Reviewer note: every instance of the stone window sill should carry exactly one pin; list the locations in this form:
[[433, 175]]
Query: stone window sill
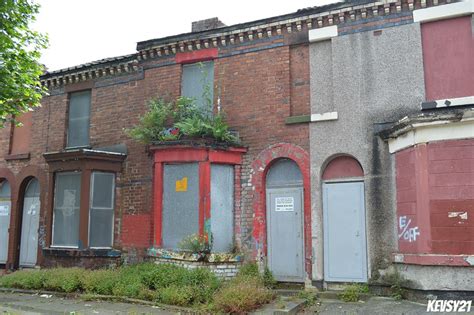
[[433, 259], [72, 252], [21, 156]]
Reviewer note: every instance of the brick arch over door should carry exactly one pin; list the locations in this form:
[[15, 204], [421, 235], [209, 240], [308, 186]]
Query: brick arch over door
[[342, 166], [260, 167]]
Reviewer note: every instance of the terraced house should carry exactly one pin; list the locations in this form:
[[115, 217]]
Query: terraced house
[[356, 152]]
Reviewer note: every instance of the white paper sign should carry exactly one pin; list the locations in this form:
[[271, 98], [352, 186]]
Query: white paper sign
[[4, 210], [284, 204]]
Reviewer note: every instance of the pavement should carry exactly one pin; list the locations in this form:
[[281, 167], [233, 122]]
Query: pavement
[[34, 304], [374, 305]]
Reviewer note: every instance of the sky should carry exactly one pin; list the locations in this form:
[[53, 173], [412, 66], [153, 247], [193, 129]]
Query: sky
[[81, 31]]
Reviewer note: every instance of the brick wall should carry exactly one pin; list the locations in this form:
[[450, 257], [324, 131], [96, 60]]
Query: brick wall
[[259, 84], [256, 97]]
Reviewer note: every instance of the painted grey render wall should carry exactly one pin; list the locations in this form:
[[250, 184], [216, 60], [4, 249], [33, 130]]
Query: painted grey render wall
[[368, 79]]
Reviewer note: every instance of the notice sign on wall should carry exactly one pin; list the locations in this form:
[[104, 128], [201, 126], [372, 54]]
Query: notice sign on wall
[[4, 210], [284, 204], [182, 184]]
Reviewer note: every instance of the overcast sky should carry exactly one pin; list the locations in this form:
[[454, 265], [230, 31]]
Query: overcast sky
[[85, 30]]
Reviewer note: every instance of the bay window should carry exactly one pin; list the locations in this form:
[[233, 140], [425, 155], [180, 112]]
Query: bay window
[[83, 201], [194, 194]]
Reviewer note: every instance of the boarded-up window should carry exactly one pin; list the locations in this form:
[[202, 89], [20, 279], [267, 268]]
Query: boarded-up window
[[67, 197], [198, 83], [101, 214], [180, 203], [21, 135], [78, 123], [448, 58], [222, 206], [284, 173]]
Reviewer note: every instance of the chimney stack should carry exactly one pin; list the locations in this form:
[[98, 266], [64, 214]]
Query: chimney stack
[[207, 24]]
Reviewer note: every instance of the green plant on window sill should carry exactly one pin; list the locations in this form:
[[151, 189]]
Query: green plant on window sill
[[181, 119], [196, 244]]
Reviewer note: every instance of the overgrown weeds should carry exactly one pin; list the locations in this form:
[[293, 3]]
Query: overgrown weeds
[[310, 297], [251, 270], [397, 284], [167, 284], [353, 292], [241, 295]]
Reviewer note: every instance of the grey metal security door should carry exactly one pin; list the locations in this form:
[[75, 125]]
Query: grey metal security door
[[285, 238], [5, 206], [29, 225], [285, 233], [345, 253]]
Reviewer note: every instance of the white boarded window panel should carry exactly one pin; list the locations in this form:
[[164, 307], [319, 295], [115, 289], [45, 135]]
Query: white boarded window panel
[[198, 77], [222, 207], [67, 197], [101, 212], [29, 225], [180, 203], [78, 123], [283, 173]]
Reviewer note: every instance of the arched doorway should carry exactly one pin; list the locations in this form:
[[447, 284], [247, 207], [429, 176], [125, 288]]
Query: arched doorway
[[285, 236], [30, 224], [345, 244], [5, 209]]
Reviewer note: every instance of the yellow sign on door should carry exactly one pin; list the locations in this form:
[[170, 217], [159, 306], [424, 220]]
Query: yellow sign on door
[[182, 184]]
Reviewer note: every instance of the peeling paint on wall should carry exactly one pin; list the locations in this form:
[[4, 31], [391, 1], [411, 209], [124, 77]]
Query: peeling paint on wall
[[42, 236], [462, 215], [470, 260]]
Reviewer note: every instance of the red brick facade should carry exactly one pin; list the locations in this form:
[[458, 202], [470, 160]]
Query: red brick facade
[[258, 85]]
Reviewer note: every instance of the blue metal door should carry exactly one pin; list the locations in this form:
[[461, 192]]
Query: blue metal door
[[345, 253]]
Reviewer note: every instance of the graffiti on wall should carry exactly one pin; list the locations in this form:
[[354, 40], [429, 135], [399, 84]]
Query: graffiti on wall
[[408, 232]]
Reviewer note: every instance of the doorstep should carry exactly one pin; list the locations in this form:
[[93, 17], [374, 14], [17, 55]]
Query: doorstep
[[282, 305]]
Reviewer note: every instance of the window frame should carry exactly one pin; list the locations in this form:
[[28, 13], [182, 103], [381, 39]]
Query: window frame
[[233, 194], [209, 76], [54, 212], [68, 120], [85, 161], [205, 157], [91, 200]]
